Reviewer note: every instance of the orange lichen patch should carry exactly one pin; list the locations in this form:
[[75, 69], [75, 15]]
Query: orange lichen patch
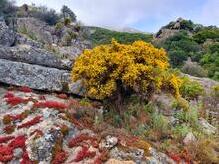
[[83, 154], [6, 139], [141, 144], [62, 96], [64, 129], [25, 89], [7, 119], [30, 123], [9, 129]]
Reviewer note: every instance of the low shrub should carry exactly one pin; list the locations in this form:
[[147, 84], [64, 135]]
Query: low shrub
[[191, 89]]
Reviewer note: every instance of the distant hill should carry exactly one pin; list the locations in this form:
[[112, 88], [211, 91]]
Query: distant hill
[[184, 39], [98, 35]]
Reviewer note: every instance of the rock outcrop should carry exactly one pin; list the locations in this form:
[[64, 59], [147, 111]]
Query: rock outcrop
[[31, 55], [39, 29], [37, 77], [7, 36]]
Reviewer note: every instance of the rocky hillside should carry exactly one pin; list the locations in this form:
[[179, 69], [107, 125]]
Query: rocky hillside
[[46, 118]]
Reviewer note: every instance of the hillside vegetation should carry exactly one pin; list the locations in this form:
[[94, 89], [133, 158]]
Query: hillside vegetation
[[77, 94], [104, 36]]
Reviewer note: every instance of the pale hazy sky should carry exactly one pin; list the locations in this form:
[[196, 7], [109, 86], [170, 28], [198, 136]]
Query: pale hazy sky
[[145, 15]]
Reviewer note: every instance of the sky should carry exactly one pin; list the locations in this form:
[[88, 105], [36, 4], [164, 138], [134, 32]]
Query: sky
[[144, 15]]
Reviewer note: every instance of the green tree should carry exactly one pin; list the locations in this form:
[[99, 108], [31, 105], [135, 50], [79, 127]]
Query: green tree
[[68, 13]]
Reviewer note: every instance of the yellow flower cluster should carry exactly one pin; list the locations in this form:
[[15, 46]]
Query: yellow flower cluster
[[139, 66]]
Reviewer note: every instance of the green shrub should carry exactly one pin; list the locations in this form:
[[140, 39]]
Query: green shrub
[[180, 131], [189, 116], [159, 122], [191, 89]]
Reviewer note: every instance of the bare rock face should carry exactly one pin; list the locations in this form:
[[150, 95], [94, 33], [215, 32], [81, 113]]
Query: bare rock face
[[32, 55], [37, 77], [7, 37]]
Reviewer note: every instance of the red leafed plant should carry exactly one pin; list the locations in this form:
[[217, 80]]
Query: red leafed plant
[[174, 156], [6, 139], [6, 153], [62, 96], [18, 142], [25, 89], [60, 157], [30, 123], [102, 157], [50, 104], [26, 159], [16, 100], [84, 153], [80, 138], [9, 95]]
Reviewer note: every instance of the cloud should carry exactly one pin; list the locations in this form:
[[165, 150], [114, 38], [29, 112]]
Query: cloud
[[147, 15], [210, 13]]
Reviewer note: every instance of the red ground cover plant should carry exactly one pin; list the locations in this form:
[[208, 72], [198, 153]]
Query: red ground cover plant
[[174, 156], [6, 139], [30, 123], [60, 157], [84, 153], [80, 138], [26, 159], [6, 153], [25, 89], [62, 96], [102, 157], [9, 95], [18, 142], [50, 104], [16, 100]]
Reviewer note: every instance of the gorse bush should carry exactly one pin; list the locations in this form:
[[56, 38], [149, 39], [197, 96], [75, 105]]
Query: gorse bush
[[114, 71], [191, 89]]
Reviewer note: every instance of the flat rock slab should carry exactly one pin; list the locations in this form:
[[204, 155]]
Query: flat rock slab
[[37, 77], [32, 55]]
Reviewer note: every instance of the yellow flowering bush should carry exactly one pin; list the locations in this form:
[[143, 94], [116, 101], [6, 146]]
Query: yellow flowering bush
[[115, 69]]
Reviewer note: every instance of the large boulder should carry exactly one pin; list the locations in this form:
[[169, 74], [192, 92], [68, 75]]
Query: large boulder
[[31, 55], [37, 77], [7, 37]]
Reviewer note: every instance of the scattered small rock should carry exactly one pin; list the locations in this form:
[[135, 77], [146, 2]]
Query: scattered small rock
[[206, 127], [190, 138]]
